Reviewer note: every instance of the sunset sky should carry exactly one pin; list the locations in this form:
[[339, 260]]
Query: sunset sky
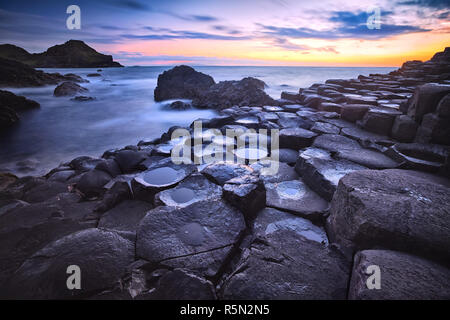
[[236, 32]]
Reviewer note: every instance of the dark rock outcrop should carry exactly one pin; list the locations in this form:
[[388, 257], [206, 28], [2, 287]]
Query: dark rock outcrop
[[16, 74], [68, 89], [395, 209], [71, 54], [181, 82], [402, 277], [10, 107]]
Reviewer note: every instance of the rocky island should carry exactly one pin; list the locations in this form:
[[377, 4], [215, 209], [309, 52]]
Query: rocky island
[[363, 181], [71, 54]]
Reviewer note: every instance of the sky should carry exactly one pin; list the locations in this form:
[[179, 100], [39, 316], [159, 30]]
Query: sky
[[237, 32]]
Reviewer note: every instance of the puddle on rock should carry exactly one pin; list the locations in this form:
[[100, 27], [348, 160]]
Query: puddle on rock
[[293, 190], [161, 176], [301, 226], [182, 195]]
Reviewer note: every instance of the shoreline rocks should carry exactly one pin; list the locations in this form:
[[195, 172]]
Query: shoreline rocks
[[344, 198]]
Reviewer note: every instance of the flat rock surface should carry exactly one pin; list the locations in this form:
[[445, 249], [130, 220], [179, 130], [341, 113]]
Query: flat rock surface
[[286, 265], [402, 277], [168, 232]]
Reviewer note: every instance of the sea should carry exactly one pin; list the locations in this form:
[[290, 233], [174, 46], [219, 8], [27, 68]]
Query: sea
[[124, 111]]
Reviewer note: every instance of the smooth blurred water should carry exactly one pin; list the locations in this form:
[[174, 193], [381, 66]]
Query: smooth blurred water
[[124, 112]]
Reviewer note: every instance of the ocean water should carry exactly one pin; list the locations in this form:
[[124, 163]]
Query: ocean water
[[124, 112]]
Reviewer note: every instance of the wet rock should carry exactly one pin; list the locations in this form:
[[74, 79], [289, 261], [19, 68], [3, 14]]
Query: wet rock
[[354, 112], [443, 108], [395, 209], [102, 256], [296, 197], [25, 229], [323, 127], [425, 99], [178, 105], [433, 129], [284, 173], [330, 107], [275, 268], [84, 163], [179, 284], [44, 191], [181, 82], [93, 75], [125, 216], [163, 176], [292, 107], [369, 158], [129, 160], [417, 156], [404, 129], [61, 176], [365, 137], [6, 179], [403, 277], [322, 173], [193, 189], [199, 236], [287, 155], [118, 192], [379, 120], [293, 96], [296, 138], [82, 98], [225, 94], [92, 183], [247, 193], [271, 220], [109, 166], [221, 172], [335, 143], [68, 89]]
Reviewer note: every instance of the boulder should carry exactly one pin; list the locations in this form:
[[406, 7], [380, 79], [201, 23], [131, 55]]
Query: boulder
[[292, 96], [379, 120], [247, 193], [181, 82], [221, 172], [296, 138], [443, 108], [102, 256], [404, 128], [395, 209], [192, 189], [403, 277], [198, 237], [296, 197], [426, 99], [125, 216], [322, 173], [335, 143], [68, 88], [82, 99], [129, 160], [354, 112], [92, 183], [274, 268], [178, 105], [434, 129], [10, 107], [225, 94]]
